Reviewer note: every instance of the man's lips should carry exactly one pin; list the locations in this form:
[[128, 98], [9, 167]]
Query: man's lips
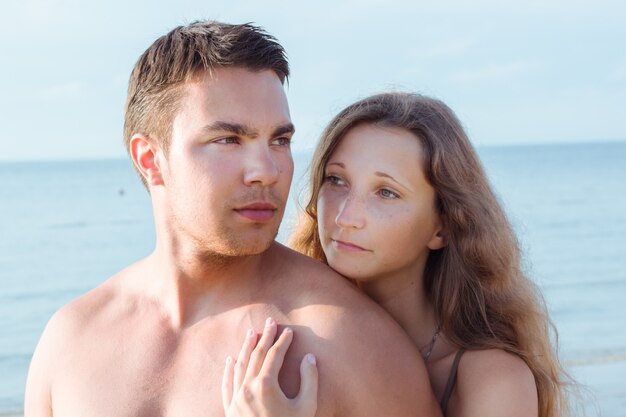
[[347, 246], [257, 212]]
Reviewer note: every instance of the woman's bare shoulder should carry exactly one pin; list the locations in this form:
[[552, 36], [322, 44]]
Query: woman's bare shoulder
[[494, 382]]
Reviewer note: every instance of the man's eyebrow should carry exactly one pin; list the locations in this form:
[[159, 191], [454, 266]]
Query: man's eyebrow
[[282, 130], [236, 128], [243, 130]]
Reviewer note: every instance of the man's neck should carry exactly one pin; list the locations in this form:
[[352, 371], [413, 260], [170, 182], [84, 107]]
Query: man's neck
[[190, 285]]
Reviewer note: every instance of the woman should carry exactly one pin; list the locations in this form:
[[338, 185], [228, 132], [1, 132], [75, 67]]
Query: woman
[[401, 206]]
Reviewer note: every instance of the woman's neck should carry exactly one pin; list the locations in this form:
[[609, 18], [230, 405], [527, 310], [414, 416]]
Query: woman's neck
[[404, 298]]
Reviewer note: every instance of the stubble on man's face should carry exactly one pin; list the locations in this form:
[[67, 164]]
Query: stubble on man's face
[[232, 252], [228, 242], [207, 173], [217, 240]]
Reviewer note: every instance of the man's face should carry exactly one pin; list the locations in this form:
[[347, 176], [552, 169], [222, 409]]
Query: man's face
[[229, 167]]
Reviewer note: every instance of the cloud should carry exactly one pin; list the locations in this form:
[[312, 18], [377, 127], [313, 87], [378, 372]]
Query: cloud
[[496, 72]]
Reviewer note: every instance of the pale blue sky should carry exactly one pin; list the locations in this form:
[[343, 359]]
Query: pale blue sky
[[515, 72]]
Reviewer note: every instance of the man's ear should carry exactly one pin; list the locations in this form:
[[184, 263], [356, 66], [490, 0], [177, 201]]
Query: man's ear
[[438, 240], [146, 157]]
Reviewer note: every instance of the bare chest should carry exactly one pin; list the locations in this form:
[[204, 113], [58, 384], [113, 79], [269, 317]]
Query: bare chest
[[142, 378], [152, 372]]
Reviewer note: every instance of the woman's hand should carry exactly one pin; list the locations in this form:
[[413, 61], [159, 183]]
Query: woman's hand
[[250, 385]]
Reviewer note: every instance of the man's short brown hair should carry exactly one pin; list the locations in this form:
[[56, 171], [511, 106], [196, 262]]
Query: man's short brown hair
[[154, 89]]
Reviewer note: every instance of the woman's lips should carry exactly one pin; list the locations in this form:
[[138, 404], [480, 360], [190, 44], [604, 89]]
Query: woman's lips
[[347, 246]]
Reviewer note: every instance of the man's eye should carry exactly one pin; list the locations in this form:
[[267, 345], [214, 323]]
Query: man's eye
[[282, 141], [228, 140]]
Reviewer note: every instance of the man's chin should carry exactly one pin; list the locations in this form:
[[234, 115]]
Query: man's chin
[[260, 246], [252, 245]]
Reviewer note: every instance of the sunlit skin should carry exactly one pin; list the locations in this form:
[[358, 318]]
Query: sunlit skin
[[377, 212], [235, 152], [378, 223], [153, 339]]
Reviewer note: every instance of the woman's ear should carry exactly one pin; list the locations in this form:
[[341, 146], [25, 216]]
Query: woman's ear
[[145, 155], [438, 240]]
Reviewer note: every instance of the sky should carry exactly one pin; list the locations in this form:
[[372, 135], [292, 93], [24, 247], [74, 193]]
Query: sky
[[514, 72]]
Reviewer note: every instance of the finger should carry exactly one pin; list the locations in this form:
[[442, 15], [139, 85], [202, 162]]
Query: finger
[[227, 384], [258, 354], [276, 354], [241, 366], [307, 397]]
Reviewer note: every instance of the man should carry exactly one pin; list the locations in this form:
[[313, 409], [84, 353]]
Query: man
[[208, 129]]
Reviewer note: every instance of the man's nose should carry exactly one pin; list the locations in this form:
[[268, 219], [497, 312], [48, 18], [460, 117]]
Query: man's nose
[[261, 166], [351, 212]]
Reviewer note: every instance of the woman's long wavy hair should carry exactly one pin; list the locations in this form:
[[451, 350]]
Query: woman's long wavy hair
[[481, 297]]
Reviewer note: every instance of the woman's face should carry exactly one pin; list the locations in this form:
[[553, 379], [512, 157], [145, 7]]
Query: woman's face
[[377, 215]]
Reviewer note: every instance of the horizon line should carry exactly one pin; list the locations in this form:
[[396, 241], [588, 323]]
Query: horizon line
[[87, 158]]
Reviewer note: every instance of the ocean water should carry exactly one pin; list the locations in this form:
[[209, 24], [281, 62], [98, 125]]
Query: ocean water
[[67, 226]]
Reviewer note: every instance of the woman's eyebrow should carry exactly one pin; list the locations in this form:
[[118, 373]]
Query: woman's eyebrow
[[385, 175]]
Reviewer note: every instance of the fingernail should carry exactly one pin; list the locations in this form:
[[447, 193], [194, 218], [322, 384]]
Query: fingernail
[[228, 360], [269, 321], [311, 358], [287, 330], [250, 333]]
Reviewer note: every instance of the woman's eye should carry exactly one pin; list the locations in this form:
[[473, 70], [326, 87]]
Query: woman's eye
[[333, 179], [385, 193]]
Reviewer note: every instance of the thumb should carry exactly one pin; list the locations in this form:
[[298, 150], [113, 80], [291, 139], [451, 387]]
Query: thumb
[[307, 397]]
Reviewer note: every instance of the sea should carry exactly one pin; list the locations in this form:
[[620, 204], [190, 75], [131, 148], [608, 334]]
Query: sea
[[66, 226]]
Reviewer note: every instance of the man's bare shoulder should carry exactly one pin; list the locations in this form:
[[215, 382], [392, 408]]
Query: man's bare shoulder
[[319, 295], [361, 349], [291, 260], [57, 346], [311, 276], [91, 309]]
